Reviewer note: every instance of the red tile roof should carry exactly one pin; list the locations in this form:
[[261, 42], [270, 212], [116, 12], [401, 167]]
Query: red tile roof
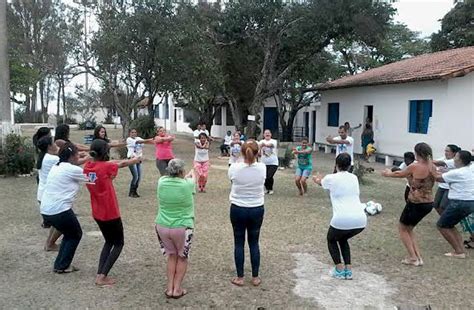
[[434, 66]]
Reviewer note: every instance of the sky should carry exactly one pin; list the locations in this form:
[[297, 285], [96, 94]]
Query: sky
[[422, 15]]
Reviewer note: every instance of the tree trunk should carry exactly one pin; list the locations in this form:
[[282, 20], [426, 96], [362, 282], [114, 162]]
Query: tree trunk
[[64, 99], [58, 101], [287, 127], [34, 97], [41, 90], [236, 112], [27, 107], [5, 104]]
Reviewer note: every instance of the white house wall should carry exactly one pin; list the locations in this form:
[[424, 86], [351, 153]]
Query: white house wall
[[452, 120]]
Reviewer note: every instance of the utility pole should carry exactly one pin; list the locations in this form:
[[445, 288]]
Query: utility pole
[[6, 111]]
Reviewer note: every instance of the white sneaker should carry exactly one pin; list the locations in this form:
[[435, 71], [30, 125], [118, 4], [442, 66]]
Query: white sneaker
[[270, 192]]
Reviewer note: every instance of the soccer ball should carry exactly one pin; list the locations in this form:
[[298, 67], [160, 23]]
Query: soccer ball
[[372, 208]]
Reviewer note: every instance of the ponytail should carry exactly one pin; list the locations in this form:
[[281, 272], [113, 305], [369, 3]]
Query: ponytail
[[42, 145], [99, 150], [250, 151], [66, 152]]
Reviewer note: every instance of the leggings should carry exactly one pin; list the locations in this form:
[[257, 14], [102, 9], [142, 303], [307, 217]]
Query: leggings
[[271, 169], [246, 220], [338, 244], [113, 234], [162, 164], [65, 222]]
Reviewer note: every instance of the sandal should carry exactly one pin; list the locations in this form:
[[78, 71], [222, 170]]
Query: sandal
[[168, 296], [67, 270], [407, 261], [183, 292], [469, 245], [237, 281], [455, 255]]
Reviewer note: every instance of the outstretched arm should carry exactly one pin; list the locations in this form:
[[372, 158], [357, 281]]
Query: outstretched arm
[[331, 140], [398, 174], [126, 162]]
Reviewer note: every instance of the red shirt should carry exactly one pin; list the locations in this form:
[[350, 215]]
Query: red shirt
[[103, 199]]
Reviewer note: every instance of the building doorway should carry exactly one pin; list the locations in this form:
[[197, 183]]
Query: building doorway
[[313, 129], [368, 115]]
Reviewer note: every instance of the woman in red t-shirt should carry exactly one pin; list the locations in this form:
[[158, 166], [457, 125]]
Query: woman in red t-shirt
[[164, 149], [105, 211]]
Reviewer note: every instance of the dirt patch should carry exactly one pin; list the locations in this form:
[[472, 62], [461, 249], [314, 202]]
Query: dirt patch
[[366, 290]]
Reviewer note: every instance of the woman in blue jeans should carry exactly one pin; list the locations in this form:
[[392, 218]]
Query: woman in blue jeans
[[246, 211], [135, 149]]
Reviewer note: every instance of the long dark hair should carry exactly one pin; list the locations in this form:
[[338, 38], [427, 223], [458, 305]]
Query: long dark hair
[[62, 133], [40, 133], [43, 144], [97, 136], [100, 150], [66, 152]]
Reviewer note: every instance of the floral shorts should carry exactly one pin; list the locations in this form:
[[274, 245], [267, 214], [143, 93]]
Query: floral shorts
[[174, 241]]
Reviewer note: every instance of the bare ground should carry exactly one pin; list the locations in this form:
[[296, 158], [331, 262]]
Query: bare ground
[[293, 246]]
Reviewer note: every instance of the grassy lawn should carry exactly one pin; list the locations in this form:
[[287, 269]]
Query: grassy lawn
[[292, 225]]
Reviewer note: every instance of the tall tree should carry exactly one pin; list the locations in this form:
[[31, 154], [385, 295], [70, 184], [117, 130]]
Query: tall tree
[[457, 28]]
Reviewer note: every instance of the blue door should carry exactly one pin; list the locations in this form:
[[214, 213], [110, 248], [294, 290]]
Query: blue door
[[270, 120]]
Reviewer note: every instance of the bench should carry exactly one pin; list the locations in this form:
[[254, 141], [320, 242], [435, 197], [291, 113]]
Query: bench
[[88, 139], [388, 159], [326, 147]]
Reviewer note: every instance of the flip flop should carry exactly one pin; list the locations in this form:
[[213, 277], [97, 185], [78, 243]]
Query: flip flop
[[183, 292], [256, 281], [168, 296], [407, 261], [236, 281], [67, 270], [468, 245], [451, 254]]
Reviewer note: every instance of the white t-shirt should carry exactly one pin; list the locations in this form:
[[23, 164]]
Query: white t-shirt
[[134, 149], [449, 166], [461, 183], [201, 154], [48, 162], [235, 154], [348, 212], [227, 140], [62, 186], [247, 184], [345, 148], [269, 154], [196, 133]]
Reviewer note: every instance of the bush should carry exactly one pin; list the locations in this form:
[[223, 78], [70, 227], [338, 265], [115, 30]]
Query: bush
[[90, 124], [18, 156], [109, 119], [361, 171], [145, 125]]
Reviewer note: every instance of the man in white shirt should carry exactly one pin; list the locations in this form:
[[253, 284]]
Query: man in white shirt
[[344, 144], [460, 201], [197, 132]]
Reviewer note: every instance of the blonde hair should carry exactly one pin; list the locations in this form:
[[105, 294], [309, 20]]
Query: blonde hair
[[250, 151]]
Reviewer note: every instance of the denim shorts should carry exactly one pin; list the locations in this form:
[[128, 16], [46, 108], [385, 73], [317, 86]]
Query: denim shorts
[[303, 172], [455, 211]]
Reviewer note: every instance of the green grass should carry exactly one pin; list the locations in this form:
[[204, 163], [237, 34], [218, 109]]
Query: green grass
[[292, 224]]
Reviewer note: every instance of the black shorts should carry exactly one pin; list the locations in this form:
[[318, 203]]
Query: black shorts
[[413, 213], [407, 192]]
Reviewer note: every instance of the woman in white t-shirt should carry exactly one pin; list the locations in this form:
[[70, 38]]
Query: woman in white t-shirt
[[460, 201], [348, 217], [246, 209], [269, 156], [235, 154], [63, 184], [134, 150], [444, 164], [201, 160], [47, 158]]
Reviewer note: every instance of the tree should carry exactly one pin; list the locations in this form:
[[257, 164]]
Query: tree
[[304, 29], [457, 28]]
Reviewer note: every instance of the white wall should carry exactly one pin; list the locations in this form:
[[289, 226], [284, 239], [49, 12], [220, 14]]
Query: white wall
[[452, 120]]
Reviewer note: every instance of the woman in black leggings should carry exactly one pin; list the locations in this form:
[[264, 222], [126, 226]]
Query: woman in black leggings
[[348, 217]]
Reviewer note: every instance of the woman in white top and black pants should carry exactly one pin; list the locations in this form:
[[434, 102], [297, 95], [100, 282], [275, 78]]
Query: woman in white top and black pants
[[246, 211], [348, 217], [268, 153], [62, 186]]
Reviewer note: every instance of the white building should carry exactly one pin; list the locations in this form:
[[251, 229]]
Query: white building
[[429, 98]]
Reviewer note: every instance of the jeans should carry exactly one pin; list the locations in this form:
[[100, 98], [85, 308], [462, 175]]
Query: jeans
[[338, 239], [455, 212], [162, 165], [225, 149], [136, 171], [65, 222], [250, 220]]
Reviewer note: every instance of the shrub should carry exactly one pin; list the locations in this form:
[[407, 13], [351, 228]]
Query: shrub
[[69, 120], [361, 171], [18, 155], [109, 119], [87, 125], [145, 125]]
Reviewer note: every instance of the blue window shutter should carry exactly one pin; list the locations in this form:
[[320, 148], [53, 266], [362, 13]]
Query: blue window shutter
[[412, 123], [333, 114], [427, 108]]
